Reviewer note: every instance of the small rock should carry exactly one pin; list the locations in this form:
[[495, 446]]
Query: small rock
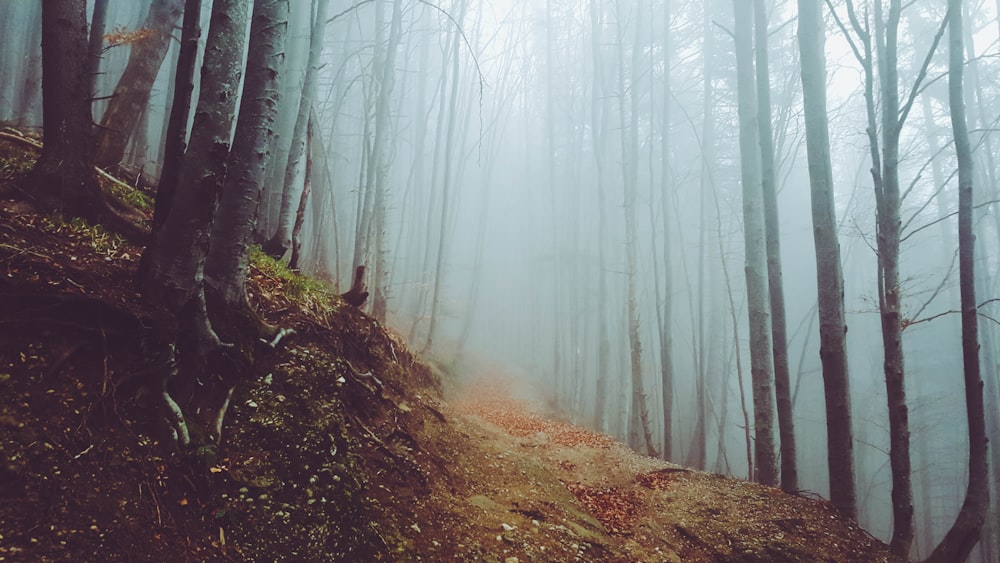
[[508, 527], [415, 527]]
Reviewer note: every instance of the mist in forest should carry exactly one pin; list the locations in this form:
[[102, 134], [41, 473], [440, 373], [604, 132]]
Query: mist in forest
[[571, 191]]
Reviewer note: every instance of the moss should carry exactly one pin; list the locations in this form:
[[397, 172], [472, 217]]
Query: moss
[[302, 290]]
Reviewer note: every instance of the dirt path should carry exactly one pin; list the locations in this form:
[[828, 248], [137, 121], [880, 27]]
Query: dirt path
[[527, 488]]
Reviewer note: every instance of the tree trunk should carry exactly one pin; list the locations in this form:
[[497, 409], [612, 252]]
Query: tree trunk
[[761, 366], [307, 182], [380, 157], [889, 291], [132, 93], [63, 180], [630, 165], [665, 309], [173, 282], [829, 276], [180, 111], [776, 292], [228, 260], [278, 244], [965, 531], [95, 43]]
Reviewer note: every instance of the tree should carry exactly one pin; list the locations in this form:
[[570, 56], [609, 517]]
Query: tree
[[829, 276], [131, 95], [629, 117], [761, 364], [882, 46], [173, 283], [95, 42], [180, 112], [964, 533], [63, 179], [776, 292], [227, 262], [278, 244]]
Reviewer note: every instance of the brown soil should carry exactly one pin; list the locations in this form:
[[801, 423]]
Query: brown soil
[[341, 447]]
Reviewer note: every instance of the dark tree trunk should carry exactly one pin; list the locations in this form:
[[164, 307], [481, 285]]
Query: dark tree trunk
[[180, 111], [95, 45], [131, 95], [173, 281], [63, 180], [964, 533], [829, 276], [228, 260]]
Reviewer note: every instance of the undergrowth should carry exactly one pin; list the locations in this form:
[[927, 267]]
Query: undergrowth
[[299, 289]]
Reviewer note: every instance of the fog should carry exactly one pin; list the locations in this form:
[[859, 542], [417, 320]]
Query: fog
[[505, 237]]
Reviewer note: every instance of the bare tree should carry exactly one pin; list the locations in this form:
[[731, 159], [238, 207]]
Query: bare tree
[[761, 364], [173, 283], [131, 95], [964, 533], [63, 179], [776, 291], [291, 192], [829, 276]]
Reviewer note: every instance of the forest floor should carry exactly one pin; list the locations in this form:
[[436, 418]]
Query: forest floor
[[343, 446]]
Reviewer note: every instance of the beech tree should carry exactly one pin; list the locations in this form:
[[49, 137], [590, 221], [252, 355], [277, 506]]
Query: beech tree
[[875, 42], [761, 363], [964, 533], [173, 283], [772, 235], [131, 95], [829, 275], [64, 179]]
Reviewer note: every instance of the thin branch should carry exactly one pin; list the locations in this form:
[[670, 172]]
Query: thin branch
[[923, 71], [944, 218]]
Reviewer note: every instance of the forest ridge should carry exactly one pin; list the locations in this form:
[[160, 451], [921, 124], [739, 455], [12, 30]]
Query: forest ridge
[[571, 187]]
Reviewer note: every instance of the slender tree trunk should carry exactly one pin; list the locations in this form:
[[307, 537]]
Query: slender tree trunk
[[964, 533], [829, 276], [180, 112], [630, 154], [291, 192], [132, 93], [307, 184], [888, 240], [95, 44], [665, 309], [776, 292], [380, 157], [449, 155], [761, 365]]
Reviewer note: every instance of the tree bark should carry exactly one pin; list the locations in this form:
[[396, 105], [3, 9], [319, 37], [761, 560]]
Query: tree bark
[[829, 276], [95, 43], [776, 292], [180, 111], [964, 533], [132, 92], [63, 179], [278, 244], [173, 283], [761, 364], [228, 260]]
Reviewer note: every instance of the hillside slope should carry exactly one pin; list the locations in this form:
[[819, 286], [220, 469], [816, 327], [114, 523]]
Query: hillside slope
[[344, 447]]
